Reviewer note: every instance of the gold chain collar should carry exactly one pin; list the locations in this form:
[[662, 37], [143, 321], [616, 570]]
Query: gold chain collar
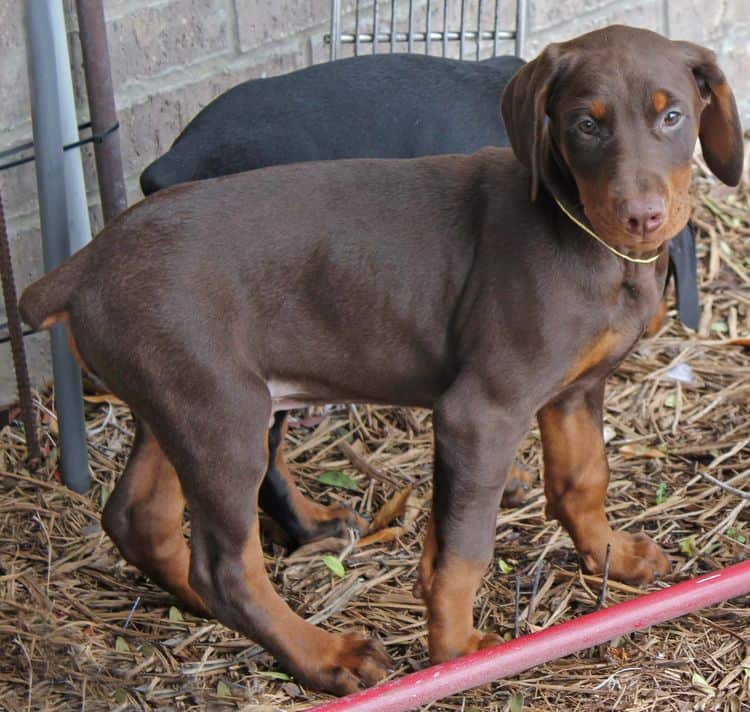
[[637, 260]]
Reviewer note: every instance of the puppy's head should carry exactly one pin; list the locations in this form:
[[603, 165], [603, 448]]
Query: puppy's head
[[608, 122]]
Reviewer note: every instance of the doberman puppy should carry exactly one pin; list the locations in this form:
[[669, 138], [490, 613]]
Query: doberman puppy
[[490, 288], [380, 106]]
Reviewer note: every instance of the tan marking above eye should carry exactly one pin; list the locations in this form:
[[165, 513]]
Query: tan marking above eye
[[660, 100], [598, 109]]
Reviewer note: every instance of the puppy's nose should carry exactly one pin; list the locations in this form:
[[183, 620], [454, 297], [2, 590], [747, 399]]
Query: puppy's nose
[[643, 215]]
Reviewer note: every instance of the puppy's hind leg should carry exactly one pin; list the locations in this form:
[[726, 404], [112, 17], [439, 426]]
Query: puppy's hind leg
[[221, 461], [143, 516]]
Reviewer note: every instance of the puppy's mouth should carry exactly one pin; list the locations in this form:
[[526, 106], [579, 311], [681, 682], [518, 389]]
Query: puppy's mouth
[[610, 227]]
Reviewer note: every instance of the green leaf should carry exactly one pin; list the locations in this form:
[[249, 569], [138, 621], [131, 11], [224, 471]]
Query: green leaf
[[174, 615], [701, 683], [121, 696], [334, 565], [720, 327], [687, 545], [661, 492], [121, 645], [104, 493], [747, 671], [732, 533], [671, 400], [147, 650], [504, 566], [222, 689], [335, 478], [275, 674], [515, 703]]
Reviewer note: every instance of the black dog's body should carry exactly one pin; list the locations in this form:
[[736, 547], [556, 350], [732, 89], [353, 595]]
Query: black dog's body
[[381, 106]]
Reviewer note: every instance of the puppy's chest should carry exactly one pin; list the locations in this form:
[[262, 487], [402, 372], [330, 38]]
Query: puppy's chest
[[624, 316]]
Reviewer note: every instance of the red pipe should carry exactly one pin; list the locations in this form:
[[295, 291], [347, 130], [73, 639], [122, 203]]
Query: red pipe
[[508, 659]]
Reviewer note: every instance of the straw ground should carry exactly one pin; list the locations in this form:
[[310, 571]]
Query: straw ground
[[80, 629]]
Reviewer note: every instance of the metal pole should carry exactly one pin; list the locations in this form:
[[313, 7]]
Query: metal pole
[[15, 332], [508, 659], [335, 28], [62, 207], [93, 32], [520, 28]]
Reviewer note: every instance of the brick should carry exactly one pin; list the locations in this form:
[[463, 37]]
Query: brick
[[149, 127], [548, 13], [15, 106], [261, 22], [151, 40], [39, 361], [645, 14]]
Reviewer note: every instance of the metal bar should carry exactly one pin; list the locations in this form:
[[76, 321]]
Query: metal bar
[[428, 28], [521, 16], [411, 26], [62, 207], [393, 25], [463, 29], [497, 28], [335, 29], [479, 26], [356, 29], [375, 24], [93, 34], [515, 656], [401, 37], [15, 331], [445, 27]]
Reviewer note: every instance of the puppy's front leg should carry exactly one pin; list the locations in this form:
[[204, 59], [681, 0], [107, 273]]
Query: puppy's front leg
[[576, 475], [475, 441]]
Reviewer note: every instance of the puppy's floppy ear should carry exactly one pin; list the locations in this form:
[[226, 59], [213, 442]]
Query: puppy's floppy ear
[[524, 110], [720, 132]]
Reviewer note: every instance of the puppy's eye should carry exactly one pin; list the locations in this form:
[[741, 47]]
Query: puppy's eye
[[672, 117], [587, 126]]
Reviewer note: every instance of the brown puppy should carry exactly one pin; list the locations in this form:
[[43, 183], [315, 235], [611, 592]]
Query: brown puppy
[[461, 295]]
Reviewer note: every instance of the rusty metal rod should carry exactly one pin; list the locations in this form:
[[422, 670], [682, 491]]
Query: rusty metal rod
[[98, 72], [15, 331]]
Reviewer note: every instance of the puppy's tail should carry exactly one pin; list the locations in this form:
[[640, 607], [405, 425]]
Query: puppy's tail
[[46, 301]]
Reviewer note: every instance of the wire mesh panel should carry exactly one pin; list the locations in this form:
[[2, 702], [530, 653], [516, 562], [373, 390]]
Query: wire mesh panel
[[476, 27]]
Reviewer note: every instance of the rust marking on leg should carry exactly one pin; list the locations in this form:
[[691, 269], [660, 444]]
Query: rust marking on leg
[[450, 605]]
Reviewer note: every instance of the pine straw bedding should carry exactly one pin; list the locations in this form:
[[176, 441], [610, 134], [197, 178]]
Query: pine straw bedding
[[80, 629]]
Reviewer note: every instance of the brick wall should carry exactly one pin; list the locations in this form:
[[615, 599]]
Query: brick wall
[[171, 57]]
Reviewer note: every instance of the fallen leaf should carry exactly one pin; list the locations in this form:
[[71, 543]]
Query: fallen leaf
[[504, 566], [382, 536], [121, 645], [105, 398], [222, 689], [335, 478], [392, 509], [697, 680], [641, 451], [687, 546], [275, 674], [335, 565], [661, 492], [515, 703], [174, 615]]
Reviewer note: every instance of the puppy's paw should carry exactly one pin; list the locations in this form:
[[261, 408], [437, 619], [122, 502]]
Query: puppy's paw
[[351, 664], [635, 559], [520, 480], [442, 648]]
